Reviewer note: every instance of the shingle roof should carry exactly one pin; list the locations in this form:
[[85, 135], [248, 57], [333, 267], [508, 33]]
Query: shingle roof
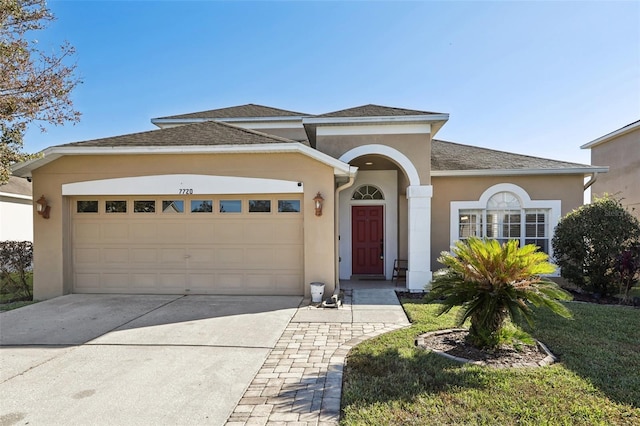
[[374, 111], [198, 134], [240, 111], [454, 156], [16, 185]]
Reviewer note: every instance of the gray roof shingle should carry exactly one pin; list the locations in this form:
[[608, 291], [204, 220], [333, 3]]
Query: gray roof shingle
[[447, 156], [198, 134], [371, 110], [18, 186], [240, 111]]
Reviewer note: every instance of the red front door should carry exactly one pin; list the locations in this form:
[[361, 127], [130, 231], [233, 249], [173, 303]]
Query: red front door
[[367, 242]]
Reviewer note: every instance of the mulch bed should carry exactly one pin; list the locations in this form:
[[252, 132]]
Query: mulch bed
[[453, 344]]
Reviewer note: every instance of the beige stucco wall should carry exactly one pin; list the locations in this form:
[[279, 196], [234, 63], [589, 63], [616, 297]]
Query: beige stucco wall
[[416, 147], [622, 155], [52, 253], [567, 188]]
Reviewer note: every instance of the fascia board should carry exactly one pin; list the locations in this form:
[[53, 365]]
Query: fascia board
[[18, 196], [53, 153], [379, 119], [616, 133], [519, 172]]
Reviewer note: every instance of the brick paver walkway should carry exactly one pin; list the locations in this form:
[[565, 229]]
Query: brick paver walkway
[[300, 383]]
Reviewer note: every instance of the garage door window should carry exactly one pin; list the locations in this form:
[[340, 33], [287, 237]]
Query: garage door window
[[230, 206], [115, 206], [90, 206], [201, 206], [288, 206], [144, 206], [259, 206], [172, 206]]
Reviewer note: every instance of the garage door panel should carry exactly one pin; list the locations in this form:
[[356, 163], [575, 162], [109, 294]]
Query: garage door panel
[[229, 231], [86, 232], [144, 232], [172, 280], [257, 283], [230, 256], [115, 232], [86, 256], [188, 253], [258, 231], [144, 281], [87, 281], [288, 282], [287, 257], [201, 257], [202, 233], [116, 255], [144, 255], [287, 234], [173, 255], [171, 233]]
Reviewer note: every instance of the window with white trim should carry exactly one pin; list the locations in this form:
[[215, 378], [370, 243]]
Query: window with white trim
[[506, 215]]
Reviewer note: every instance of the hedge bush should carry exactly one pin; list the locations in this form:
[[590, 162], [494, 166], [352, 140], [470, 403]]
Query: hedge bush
[[16, 270], [590, 241]]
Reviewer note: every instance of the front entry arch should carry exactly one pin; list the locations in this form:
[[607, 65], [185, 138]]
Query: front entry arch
[[367, 240]]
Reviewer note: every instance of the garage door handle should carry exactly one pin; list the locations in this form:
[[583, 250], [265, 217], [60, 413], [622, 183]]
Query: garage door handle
[[186, 256]]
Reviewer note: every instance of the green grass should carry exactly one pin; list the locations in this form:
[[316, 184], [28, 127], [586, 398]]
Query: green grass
[[388, 381]]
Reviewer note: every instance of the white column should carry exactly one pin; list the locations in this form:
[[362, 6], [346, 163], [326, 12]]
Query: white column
[[419, 206]]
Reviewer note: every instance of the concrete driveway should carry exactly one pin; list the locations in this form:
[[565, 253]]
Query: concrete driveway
[[134, 359]]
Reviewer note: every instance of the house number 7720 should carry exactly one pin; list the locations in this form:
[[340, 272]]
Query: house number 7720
[[185, 191]]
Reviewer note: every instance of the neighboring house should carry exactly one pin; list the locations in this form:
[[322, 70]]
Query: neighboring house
[[16, 210], [224, 202], [620, 150]]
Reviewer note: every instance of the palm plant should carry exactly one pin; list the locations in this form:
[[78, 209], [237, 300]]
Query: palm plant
[[494, 282]]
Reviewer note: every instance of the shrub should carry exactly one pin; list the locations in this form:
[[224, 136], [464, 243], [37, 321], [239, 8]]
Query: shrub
[[589, 242], [16, 266], [628, 268], [493, 283]]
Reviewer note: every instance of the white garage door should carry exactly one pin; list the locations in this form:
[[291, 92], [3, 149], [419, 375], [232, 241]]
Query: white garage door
[[202, 244]]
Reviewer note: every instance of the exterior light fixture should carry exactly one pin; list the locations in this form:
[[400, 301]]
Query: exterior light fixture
[[42, 207], [318, 202], [369, 163]]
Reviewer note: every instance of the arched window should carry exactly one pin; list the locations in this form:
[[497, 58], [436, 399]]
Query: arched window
[[505, 212], [367, 192]]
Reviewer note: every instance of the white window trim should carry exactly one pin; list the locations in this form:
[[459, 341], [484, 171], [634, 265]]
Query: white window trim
[[554, 207]]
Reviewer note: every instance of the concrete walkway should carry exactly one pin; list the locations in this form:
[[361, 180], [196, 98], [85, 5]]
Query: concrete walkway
[[300, 383]]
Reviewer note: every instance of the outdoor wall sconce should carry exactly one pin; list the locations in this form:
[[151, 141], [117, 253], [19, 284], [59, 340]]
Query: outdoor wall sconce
[[42, 207], [318, 201]]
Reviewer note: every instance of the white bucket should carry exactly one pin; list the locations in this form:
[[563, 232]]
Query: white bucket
[[317, 290]]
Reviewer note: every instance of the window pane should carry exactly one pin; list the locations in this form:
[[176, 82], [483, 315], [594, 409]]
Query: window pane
[[367, 192], [230, 206], [201, 206], [543, 244], [87, 207], [116, 206], [172, 206], [470, 222], [144, 206], [259, 206], [289, 206]]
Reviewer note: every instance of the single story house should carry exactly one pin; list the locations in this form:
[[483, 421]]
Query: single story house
[[258, 200], [620, 151], [16, 212]]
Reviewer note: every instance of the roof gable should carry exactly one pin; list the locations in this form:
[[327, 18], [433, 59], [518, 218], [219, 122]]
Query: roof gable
[[450, 156], [372, 110], [613, 135], [197, 134], [240, 111]]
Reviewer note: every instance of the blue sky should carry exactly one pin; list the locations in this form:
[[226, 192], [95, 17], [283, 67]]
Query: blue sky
[[538, 78]]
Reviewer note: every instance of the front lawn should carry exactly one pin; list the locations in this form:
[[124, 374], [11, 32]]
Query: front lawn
[[388, 381]]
